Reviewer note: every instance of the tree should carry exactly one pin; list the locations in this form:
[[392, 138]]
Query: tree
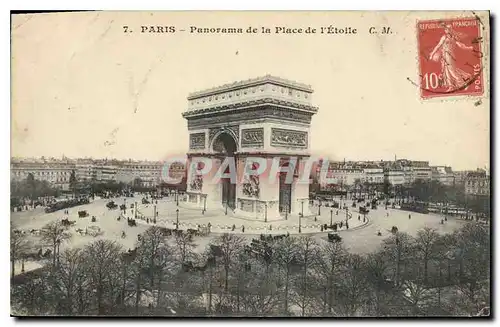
[[229, 245], [307, 255], [397, 250], [330, 260], [155, 256], [69, 280], [102, 258], [352, 285], [184, 246], [286, 257], [375, 268], [425, 246], [72, 181], [473, 241], [55, 234], [19, 244]]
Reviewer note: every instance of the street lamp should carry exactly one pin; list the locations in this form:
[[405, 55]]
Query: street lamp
[[301, 215], [177, 196], [319, 209], [135, 210], [286, 212], [331, 217], [204, 204], [177, 222], [265, 213]]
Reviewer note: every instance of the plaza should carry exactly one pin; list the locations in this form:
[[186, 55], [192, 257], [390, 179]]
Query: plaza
[[361, 237]]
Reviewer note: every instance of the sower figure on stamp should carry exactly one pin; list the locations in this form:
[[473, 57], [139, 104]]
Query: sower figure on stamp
[[452, 77]]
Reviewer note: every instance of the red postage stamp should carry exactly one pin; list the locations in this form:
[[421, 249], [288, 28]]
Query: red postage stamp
[[450, 57]]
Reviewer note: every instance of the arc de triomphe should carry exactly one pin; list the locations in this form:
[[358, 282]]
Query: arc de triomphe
[[266, 117]]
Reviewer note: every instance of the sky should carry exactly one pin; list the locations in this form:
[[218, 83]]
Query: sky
[[81, 87]]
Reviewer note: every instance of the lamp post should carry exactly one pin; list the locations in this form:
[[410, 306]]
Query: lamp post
[[177, 220], [286, 212], [154, 213], [135, 210], [319, 209], [204, 204], [177, 197], [301, 215], [331, 217], [265, 213]]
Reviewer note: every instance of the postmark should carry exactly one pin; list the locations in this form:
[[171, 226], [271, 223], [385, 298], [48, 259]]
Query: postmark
[[450, 57]]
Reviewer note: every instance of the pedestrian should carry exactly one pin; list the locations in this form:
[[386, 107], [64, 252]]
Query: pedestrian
[[387, 214], [233, 228], [147, 220], [359, 217], [315, 218], [409, 216], [242, 228], [346, 225], [337, 213]]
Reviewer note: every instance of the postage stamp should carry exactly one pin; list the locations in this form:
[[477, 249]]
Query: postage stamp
[[450, 57]]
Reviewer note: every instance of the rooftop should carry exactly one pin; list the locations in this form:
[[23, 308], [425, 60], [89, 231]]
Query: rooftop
[[252, 82]]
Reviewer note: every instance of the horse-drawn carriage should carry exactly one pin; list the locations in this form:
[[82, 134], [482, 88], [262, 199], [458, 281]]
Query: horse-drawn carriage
[[363, 210], [94, 231], [145, 201], [131, 222], [66, 222], [203, 230], [111, 205], [193, 232], [334, 237], [394, 229], [83, 214], [166, 231], [123, 207]]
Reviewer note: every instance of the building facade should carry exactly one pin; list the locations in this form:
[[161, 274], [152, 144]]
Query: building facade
[[477, 183], [56, 172]]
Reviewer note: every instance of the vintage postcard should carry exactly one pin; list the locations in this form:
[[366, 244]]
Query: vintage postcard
[[250, 164]]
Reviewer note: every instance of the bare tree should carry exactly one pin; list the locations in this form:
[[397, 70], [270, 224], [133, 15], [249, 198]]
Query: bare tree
[[353, 285], [19, 244], [307, 255], [103, 266], [473, 241], [425, 246], [184, 246], [286, 257], [330, 260], [55, 234], [375, 268], [398, 250], [229, 245]]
